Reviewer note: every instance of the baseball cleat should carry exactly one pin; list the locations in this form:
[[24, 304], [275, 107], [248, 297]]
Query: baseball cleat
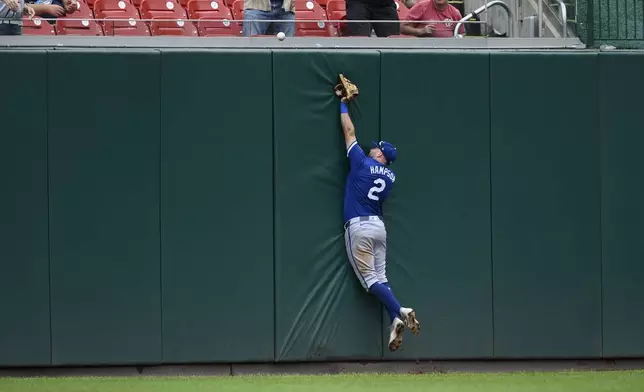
[[395, 336], [409, 317]]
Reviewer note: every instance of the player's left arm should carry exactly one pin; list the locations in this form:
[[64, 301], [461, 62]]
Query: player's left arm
[[347, 125], [354, 152]]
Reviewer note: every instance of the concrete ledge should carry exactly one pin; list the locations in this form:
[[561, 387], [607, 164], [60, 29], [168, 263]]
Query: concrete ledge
[[62, 42], [396, 367]]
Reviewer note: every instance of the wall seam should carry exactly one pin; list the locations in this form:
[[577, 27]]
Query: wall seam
[[383, 330], [601, 210], [274, 179], [489, 80], [51, 335], [160, 202]]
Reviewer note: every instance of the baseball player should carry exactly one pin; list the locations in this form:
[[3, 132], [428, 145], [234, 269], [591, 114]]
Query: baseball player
[[367, 186]]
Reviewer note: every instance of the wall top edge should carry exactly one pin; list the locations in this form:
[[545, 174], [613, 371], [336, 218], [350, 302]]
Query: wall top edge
[[59, 42]]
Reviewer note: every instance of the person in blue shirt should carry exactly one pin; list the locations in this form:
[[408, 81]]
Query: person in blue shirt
[[11, 13], [367, 186]]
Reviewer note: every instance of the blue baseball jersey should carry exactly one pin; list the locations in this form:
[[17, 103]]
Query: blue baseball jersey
[[368, 184]]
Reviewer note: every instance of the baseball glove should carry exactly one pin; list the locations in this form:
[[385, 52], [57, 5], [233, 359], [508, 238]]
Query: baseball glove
[[346, 90]]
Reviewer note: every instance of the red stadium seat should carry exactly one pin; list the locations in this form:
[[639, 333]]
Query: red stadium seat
[[137, 3], [65, 26], [132, 27], [337, 10], [174, 27], [207, 9], [238, 12], [162, 9], [402, 9], [208, 27], [121, 9], [91, 3], [310, 10], [214, 18], [79, 22], [106, 10], [37, 26], [83, 11]]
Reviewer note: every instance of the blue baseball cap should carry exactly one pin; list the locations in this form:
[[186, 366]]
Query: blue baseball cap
[[388, 150]]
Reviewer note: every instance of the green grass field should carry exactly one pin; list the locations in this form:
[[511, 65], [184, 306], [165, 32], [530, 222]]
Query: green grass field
[[618, 381]]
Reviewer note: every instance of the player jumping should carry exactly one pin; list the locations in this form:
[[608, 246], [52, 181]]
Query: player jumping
[[368, 185]]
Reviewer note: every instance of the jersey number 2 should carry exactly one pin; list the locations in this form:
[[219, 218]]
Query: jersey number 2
[[380, 186]]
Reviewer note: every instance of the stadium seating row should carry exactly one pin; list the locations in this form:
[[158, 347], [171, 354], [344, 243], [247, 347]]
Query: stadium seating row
[[205, 18]]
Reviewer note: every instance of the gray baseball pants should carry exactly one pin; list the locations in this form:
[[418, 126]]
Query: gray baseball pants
[[366, 241]]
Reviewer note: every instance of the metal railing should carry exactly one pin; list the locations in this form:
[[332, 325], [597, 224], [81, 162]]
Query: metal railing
[[484, 8], [563, 14]]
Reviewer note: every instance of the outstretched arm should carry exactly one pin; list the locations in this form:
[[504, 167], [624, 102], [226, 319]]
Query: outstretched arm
[[347, 125], [354, 152]]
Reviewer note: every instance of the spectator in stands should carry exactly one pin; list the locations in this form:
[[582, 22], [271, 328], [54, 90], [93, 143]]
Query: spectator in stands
[[372, 10], [445, 15], [52, 9], [11, 12], [258, 11]]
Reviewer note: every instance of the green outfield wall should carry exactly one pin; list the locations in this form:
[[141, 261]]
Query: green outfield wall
[[186, 206]]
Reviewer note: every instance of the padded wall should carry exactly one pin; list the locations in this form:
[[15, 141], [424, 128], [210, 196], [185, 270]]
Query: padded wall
[[621, 82], [148, 199], [217, 206], [321, 310], [104, 206], [24, 247], [545, 205], [438, 214]]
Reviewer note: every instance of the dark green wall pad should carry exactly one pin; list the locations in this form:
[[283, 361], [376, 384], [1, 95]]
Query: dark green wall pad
[[621, 82], [217, 206], [438, 214], [183, 206], [104, 146], [321, 310], [545, 205], [24, 247]]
